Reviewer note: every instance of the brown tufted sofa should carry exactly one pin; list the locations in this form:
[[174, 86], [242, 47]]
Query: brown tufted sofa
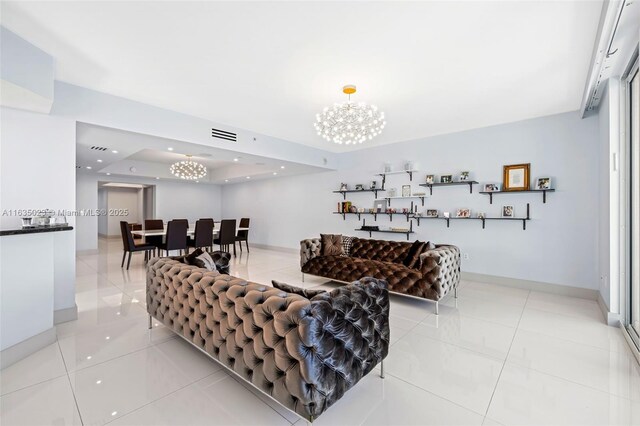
[[437, 273], [304, 353]]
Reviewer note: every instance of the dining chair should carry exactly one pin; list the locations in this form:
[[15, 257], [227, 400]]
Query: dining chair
[[152, 225], [227, 235], [176, 236], [203, 235], [243, 235], [130, 246]]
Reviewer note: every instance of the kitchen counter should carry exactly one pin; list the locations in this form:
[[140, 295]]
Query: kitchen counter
[[35, 230]]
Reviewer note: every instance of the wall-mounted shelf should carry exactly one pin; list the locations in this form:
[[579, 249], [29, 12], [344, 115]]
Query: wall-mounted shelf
[[409, 172], [483, 219], [387, 231], [375, 215], [344, 193], [413, 197], [543, 191], [467, 182]]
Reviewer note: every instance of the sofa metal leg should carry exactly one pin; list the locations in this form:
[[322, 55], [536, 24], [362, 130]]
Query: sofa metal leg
[[150, 322], [436, 308], [382, 369], [303, 277], [455, 293]]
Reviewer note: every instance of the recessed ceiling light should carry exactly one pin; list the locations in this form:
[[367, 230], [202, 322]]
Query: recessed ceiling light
[[170, 149], [157, 178], [99, 160], [275, 173], [197, 181], [248, 177], [235, 159], [108, 174], [89, 167], [98, 382], [114, 151], [282, 167], [226, 180]]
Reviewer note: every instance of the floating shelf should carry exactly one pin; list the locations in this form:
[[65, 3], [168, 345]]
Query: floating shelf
[[375, 215], [344, 193], [387, 231], [467, 182], [409, 172], [543, 191], [413, 197], [483, 219]]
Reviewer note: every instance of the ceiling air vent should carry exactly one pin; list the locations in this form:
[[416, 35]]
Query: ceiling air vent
[[223, 134], [98, 148]]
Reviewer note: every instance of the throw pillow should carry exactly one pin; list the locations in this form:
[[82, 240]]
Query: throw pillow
[[430, 246], [207, 261], [346, 245], [191, 257], [413, 255], [308, 293], [331, 244]]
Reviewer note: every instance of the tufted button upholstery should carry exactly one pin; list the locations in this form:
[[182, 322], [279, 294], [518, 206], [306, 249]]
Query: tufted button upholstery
[[437, 273], [304, 353]]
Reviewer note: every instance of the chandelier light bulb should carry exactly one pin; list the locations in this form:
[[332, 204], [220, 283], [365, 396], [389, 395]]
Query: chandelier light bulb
[[188, 169]]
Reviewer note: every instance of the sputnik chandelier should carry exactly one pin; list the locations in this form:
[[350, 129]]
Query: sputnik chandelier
[[349, 122], [188, 169]]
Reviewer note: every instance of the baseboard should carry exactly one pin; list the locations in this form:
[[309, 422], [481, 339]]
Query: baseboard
[[276, 248], [562, 290], [85, 252], [610, 318], [66, 314], [21, 350]]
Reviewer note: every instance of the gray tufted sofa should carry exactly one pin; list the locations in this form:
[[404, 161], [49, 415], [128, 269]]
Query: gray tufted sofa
[[435, 275], [304, 353]]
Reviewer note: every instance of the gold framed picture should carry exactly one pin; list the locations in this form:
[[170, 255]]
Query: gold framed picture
[[515, 177]]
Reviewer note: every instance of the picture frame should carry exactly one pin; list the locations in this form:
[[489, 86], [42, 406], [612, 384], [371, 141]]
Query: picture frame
[[464, 176], [515, 177], [374, 184], [445, 214], [430, 180], [464, 213], [379, 206], [432, 213], [491, 187], [446, 178], [359, 187], [508, 211], [406, 190], [543, 183], [344, 187]]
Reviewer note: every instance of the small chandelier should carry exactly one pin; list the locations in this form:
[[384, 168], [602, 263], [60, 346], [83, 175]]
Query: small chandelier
[[350, 122], [188, 169]]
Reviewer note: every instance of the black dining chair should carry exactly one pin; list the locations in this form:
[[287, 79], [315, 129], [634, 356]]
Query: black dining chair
[[153, 225], [176, 236], [203, 235], [129, 245], [227, 235], [243, 235]]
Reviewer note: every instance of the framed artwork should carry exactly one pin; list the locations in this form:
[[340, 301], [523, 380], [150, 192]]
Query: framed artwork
[[464, 176], [463, 213], [431, 179], [543, 183], [446, 178], [406, 190], [380, 206], [432, 213], [359, 187], [491, 187], [515, 177], [508, 211]]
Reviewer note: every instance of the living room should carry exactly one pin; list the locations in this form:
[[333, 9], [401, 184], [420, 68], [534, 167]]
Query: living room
[[462, 252]]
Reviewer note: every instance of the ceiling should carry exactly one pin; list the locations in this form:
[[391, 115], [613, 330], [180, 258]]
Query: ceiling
[[118, 153], [269, 67]]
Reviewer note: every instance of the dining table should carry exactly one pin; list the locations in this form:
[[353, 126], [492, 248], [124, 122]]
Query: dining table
[[163, 232]]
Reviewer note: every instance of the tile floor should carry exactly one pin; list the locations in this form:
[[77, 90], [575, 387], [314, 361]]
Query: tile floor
[[496, 355]]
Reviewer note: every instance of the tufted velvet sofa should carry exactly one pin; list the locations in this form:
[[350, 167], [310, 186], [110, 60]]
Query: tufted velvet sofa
[[304, 353], [437, 273]]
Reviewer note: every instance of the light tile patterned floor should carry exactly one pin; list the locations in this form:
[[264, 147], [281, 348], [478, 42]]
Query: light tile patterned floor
[[496, 355]]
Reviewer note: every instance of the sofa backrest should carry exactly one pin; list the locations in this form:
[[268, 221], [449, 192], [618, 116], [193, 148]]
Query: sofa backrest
[[382, 250]]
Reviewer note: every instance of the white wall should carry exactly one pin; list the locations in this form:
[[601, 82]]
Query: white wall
[[174, 200], [125, 200], [103, 221], [603, 186], [559, 245]]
